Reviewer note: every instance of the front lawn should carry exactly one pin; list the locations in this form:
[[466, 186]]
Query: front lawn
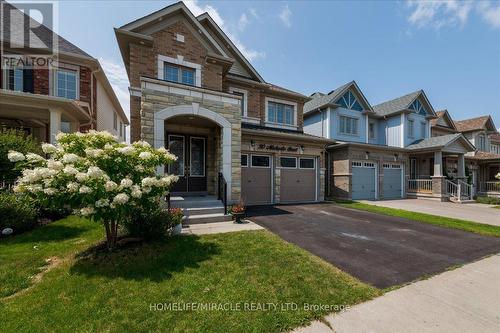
[[447, 222], [130, 290]]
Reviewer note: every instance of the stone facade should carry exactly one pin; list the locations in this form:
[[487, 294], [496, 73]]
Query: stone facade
[[155, 99]]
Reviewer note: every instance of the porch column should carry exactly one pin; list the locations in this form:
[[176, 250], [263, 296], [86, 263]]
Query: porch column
[[55, 124], [461, 166], [438, 180], [226, 159], [438, 164]]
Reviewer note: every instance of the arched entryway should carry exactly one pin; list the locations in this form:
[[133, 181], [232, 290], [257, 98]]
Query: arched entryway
[[195, 113]]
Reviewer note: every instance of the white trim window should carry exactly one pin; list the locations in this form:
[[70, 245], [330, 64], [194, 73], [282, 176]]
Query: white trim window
[[423, 127], [280, 113], [179, 74], [261, 161], [287, 162], [348, 125], [179, 71], [306, 163], [244, 160], [244, 99], [481, 142], [14, 79], [411, 132], [66, 83], [371, 130]]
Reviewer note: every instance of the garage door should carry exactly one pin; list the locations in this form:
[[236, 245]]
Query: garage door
[[392, 181], [256, 179], [298, 179], [363, 181]]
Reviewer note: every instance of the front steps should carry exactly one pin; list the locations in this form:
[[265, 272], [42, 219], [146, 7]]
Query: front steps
[[200, 209]]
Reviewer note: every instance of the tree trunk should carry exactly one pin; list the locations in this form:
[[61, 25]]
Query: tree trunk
[[111, 234]]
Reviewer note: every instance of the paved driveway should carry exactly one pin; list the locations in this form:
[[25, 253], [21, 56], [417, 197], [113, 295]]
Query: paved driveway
[[381, 250], [474, 212]]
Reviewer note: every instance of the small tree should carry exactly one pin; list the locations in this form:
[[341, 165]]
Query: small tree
[[96, 176]]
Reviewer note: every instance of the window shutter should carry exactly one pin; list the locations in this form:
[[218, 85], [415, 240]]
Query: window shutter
[[28, 84]]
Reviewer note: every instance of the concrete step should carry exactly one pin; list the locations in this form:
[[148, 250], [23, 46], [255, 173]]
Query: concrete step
[[204, 210], [208, 218]]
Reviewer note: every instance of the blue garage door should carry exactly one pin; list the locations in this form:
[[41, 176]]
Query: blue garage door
[[392, 181], [363, 181]]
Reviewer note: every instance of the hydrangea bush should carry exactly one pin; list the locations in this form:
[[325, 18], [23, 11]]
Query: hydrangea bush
[[96, 176]]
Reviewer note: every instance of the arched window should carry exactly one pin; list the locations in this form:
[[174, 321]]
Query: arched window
[[418, 108], [349, 101]]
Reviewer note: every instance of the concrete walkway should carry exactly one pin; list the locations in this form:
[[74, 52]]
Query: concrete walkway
[[474, 212], [466, 299], [218, 227]]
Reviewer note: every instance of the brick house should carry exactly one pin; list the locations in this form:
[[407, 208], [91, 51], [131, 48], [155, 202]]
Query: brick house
[[192, 91], [71, 94]]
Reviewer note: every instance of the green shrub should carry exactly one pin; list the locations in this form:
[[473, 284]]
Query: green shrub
[[17, 212], [13, 139], [488, 200], [150, 224]]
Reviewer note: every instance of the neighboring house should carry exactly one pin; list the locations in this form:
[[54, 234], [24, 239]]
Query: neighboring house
[[385, 151], [481, 131], [72, 94], [192, 91]]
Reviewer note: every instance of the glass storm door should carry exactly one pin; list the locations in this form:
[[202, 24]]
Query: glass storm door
[[191, 162]]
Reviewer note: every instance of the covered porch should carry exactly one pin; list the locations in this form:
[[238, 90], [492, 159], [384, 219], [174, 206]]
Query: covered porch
[[41, 116], [489, 185], [429, 175]]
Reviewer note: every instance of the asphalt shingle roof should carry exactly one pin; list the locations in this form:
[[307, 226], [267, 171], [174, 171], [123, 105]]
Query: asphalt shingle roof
[[44, 33], [319, 100], [472, 124], [495, 137], [434, 142], [397, 104]]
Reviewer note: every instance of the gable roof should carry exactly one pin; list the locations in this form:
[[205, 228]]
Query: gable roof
[[205, 17], [443, 115], [401, 104], [476, 124], [320, 100], [495, 137], [44, 33], [440, 142]]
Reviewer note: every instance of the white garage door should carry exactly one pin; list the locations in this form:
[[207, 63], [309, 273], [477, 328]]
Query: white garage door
[[363, 180], [393, 184]]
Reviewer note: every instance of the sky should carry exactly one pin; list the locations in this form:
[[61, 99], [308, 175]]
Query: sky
[[450, 49]]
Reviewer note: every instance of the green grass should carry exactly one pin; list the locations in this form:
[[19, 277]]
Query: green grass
[[447, 222], [113, 292]]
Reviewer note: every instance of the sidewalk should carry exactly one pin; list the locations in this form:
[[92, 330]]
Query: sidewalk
[[474, 212], [218, 227], [466, 299]]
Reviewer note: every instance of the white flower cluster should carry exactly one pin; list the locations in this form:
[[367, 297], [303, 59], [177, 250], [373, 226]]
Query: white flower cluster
[[15, 156], [48, 148], [497, 176]]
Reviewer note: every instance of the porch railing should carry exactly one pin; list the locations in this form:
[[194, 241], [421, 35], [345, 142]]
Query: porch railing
[[466, 190], [222, 191], [491, 186], [452, 189], [420, 185]]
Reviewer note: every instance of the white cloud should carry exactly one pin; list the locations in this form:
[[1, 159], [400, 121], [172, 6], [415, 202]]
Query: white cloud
[[286, 16], [195, 7], [118, 79], [449, 13], [254, 13], [438, 14], [243, 22], [489, 13]]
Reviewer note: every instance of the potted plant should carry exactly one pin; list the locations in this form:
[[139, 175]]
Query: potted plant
[[177, 217], [238, 212]]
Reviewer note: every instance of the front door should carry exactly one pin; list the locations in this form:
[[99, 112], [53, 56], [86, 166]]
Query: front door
[[191, 163]]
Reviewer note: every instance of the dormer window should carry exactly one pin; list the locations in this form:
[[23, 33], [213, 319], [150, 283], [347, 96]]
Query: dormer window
[[349, 101], [481, 143], [418, 108], [179, 74]]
